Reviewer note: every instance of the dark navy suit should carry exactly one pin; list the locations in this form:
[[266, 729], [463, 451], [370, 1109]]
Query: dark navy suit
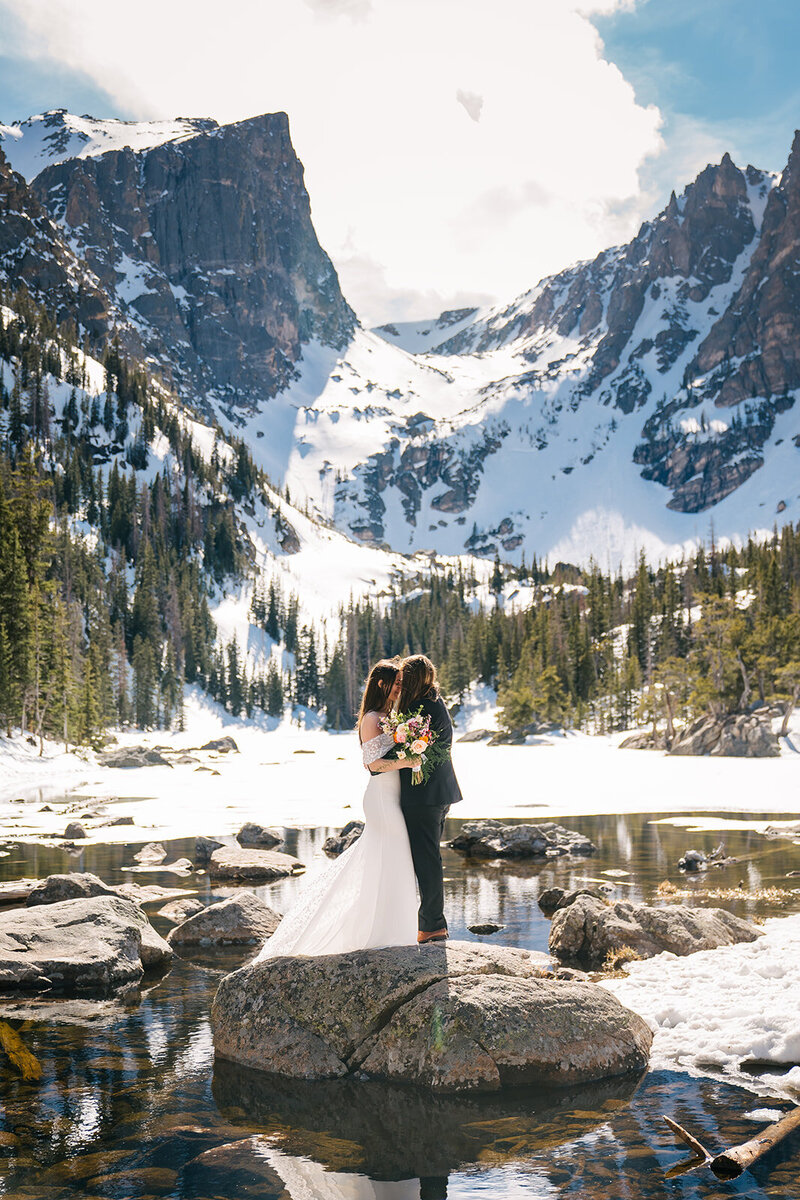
[[425, 808]]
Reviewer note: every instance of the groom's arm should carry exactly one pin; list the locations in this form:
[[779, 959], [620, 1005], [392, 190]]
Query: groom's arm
[[440, 722]]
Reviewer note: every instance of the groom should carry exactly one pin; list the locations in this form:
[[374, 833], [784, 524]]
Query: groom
[[425, 805]]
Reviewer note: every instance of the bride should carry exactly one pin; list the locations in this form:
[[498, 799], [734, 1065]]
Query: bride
[[368, 896]]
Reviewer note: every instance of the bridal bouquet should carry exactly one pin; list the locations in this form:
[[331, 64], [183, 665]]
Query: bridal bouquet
[[414, 738]]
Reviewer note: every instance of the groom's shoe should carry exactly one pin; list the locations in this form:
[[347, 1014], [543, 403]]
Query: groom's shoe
[[435, 935]]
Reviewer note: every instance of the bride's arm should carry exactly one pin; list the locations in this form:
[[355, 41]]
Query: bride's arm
[[382, 765]]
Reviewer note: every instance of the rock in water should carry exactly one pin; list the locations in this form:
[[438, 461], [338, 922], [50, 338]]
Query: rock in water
[[204, 847], [86, 947], [180, 910], [234, 863], [239, 920], [252, 834], [586, 930], [493, 839], [346, 837], [74, 830], [150, 854], [69, 887], [460, 1017]]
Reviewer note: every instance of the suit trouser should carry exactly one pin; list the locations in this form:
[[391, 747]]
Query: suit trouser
[[425, 825]]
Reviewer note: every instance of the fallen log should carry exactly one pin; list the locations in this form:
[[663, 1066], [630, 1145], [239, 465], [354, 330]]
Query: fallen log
[[17, 891], [732, 1162], [18, 1055]]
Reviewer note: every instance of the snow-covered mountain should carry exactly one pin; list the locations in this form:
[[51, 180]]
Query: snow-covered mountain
[[623, 403]]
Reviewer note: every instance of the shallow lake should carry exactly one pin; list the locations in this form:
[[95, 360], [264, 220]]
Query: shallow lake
[[131, 1096]]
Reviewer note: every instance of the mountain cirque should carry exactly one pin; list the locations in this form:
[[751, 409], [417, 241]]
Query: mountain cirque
[[602, 412]]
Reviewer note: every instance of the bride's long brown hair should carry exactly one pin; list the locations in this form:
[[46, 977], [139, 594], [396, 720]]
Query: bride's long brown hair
[[379, 684]]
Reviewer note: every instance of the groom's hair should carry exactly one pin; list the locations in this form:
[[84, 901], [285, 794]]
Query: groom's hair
[[419, 682]]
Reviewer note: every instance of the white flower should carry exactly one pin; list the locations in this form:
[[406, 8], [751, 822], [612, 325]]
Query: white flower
[[419, 747]]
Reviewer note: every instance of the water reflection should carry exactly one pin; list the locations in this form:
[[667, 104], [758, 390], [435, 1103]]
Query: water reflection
[[131, 1104]]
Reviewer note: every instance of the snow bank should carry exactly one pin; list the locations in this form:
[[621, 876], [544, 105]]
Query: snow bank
[[715, 1010]]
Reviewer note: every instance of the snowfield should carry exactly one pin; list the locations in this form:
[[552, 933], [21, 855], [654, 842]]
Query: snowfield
[[288, 774], [717, 1009]]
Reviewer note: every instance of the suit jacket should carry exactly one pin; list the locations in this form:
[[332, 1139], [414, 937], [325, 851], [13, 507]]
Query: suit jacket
[[442, 788]]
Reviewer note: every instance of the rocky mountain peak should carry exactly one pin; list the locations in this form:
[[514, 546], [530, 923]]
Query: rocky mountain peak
[[202, 235]]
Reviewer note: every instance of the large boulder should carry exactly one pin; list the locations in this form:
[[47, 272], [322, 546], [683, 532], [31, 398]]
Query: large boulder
[[204, 847], [134, 756], [457, 1017], [83, 947], [252, 834], [344, 839], [231, 862], [239, 920], [587, 929], [741, 735], [493, 839], [81, 885]]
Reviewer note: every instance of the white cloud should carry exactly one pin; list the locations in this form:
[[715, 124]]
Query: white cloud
[[397, 177], [472, 103]]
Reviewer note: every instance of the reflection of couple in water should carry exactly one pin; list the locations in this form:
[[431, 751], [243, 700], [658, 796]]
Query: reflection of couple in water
[[368, 897]]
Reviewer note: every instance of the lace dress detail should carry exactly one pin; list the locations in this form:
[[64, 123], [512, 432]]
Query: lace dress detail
[[367, 897], [376, 747]]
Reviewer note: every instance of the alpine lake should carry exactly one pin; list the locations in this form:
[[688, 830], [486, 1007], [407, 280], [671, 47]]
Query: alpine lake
[[131, 1104]]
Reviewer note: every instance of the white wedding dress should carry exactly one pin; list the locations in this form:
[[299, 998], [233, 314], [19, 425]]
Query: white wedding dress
[[367, 897]]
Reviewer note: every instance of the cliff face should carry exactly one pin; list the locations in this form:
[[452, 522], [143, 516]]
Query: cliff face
[[34, 255], [207, 245]]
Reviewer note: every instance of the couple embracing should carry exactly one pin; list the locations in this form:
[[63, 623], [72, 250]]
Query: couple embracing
[[368, 897]]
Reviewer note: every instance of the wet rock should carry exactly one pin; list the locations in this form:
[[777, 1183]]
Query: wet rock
[[477, 735], [135, 1180], [588, 929], [69, 887], [178, 911], [235, 1169], [153, 852], [84, 947], [554, 898], [238, 863], [487, 928], [121, 821], [692, 860], [457, 1017], [696, 860], [74, 830], [742, 735], [240, 920], [223, 745], [204, 847], [493, 839], [347, 836], [132, 757], [252, 834]]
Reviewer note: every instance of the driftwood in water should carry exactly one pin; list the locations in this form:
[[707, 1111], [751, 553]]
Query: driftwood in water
[[732, 1162], [17, 891]]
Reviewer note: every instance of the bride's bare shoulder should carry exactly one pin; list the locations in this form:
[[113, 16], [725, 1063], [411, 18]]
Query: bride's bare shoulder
[[370, 726]]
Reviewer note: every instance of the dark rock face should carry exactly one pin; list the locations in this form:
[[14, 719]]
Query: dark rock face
[[209, 244], [586, 930], [492, 839], [464, 1017], [34, 254]]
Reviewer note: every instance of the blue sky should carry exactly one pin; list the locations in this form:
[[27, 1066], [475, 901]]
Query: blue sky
[[728, 65]]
